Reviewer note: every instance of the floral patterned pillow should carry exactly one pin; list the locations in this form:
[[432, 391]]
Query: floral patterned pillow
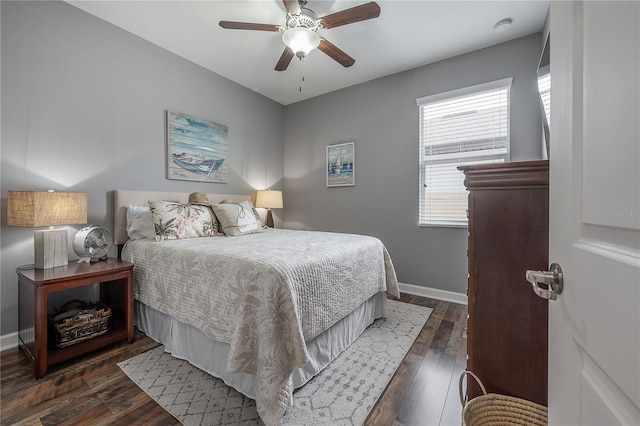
[[173, 221]]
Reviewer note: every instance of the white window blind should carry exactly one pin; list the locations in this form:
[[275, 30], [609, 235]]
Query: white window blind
[[462, 127], [544, 87]]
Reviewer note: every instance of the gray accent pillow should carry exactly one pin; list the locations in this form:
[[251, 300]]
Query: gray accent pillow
[[238, 218]]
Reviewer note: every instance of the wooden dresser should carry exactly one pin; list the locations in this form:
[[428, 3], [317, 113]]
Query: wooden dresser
[[508, 234]]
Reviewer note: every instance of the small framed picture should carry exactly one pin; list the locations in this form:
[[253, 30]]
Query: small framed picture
[[341, 164]]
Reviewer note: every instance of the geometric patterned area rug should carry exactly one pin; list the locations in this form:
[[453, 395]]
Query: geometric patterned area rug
[[342, 394]]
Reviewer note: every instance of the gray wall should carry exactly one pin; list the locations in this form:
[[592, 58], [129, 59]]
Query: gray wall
[[83, 109], [381, 116]]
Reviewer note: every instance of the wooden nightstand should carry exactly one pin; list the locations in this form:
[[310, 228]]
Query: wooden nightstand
[[116, 290]]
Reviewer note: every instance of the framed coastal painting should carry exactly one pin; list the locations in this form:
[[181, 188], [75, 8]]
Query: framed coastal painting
[[341, 164], [196, 149]]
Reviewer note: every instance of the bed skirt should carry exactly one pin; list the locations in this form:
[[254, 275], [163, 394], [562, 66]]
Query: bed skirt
[[186, 342]]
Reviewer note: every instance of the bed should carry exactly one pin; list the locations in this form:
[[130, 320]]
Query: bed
[[264, 311]]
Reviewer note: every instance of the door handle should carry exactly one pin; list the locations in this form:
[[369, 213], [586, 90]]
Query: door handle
[[552, 279]]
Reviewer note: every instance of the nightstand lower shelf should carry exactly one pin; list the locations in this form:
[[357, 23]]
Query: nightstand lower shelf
[[56, 356]]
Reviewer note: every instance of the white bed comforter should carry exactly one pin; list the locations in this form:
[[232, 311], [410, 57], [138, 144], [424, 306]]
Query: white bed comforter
[[265, 294]]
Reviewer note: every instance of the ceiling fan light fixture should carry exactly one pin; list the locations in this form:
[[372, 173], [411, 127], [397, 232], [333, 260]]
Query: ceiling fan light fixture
[[301, 40]]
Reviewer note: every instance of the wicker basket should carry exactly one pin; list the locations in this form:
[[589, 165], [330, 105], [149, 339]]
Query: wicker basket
[[77, 321], [493, 409]]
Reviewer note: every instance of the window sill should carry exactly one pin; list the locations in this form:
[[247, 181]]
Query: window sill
[[444, 225]]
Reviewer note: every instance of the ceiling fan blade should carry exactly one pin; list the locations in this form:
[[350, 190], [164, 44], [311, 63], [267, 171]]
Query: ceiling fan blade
[[292, 6], [336, 54], [284, 60], [349, 16], [230, 25]]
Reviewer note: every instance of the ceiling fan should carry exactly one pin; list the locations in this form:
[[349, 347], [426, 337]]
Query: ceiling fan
[[300, 31]]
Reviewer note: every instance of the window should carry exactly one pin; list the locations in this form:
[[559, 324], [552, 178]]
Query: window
[[461, 127], [544, 87]]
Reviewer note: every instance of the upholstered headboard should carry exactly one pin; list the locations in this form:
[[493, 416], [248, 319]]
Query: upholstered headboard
[[123, 198]]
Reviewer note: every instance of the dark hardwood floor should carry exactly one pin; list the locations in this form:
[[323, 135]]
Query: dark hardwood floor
[[92, 389]]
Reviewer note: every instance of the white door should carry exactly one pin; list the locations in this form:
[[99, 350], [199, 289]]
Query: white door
[[594, 325]]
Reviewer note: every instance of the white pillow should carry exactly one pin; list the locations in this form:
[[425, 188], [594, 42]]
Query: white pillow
[[140, 223]]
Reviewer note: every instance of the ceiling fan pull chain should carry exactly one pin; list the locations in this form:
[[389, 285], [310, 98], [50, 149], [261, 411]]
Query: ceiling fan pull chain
[[301, 76]]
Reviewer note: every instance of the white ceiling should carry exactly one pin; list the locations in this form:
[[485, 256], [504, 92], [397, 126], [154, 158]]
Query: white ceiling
[[407, 34]]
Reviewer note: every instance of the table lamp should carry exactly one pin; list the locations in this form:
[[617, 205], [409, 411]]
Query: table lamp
[[36, 209], [269, 199]]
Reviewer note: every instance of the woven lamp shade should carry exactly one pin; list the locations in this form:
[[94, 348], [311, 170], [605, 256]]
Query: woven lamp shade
[[37, 208]]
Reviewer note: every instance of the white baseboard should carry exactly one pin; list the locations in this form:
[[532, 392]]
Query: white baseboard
[[434, 293], [9, 341]]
